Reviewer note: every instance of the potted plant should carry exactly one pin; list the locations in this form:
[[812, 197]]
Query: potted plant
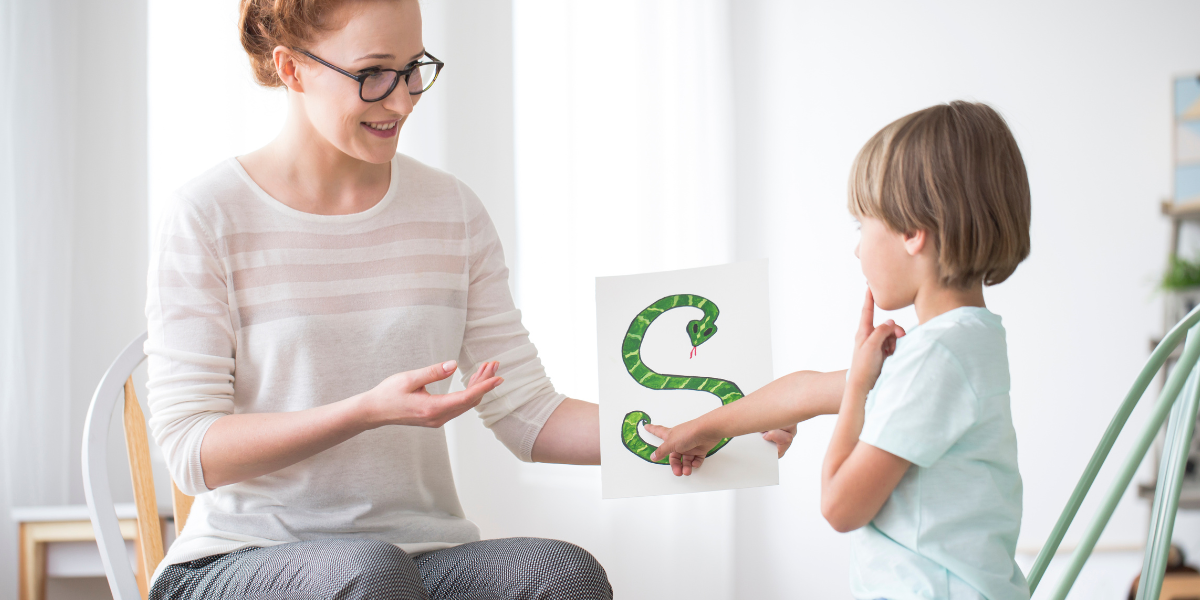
[[1181, 282]]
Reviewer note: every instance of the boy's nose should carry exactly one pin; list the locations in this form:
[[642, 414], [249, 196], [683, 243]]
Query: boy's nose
[[856, 250]]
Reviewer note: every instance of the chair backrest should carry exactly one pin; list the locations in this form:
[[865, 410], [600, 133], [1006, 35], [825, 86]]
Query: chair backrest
[[1180, 400], [117, 383]]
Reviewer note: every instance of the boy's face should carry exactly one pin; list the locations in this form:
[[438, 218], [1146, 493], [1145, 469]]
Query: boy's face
[[889, 263]]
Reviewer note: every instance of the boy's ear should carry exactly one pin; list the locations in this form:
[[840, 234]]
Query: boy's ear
[[914, 242]]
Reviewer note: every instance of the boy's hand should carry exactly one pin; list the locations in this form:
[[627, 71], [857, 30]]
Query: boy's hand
[[872, 345], [685, 445]]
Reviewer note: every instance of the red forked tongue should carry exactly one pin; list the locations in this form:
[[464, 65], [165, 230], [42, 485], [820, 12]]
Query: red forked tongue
[[693, 353]]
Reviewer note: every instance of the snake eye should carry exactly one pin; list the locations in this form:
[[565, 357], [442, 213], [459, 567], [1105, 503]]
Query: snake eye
[[708, 331], [695, 327]]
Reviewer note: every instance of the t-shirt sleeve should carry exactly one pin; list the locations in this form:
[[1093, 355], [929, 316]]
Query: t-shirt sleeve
[[191, 341], [922, 408], [517, 410]]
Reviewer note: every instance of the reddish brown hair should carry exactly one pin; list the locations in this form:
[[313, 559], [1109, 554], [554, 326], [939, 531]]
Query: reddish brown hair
[[265, 24], [955, 172]]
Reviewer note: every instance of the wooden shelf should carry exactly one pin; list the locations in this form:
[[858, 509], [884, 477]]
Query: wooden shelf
[[1189, 497], [1189, 210], [1175, 354]]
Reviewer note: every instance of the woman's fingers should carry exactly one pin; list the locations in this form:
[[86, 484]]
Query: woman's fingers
[[485, 371], [419, 378], [459, 402], [782, 438], [676, 464], [486, 384], [440, 409], [403, 400]]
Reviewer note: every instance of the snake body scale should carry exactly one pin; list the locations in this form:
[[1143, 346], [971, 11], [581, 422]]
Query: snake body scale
[[699, 331]]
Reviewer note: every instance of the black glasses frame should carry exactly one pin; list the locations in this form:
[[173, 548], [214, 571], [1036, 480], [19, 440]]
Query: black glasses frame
[[400, 74]]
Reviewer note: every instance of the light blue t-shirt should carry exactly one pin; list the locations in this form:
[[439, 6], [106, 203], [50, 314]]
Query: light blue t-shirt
[[949, 529]]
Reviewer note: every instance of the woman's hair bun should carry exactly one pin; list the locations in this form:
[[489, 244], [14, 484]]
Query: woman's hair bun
[[265, 24]]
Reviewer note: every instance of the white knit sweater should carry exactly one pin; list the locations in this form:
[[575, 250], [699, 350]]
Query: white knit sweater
[[256, 307]]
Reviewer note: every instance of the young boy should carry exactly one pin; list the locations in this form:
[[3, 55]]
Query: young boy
[[922, 466]]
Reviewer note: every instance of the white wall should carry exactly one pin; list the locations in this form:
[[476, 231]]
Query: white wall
[[1085, 88]]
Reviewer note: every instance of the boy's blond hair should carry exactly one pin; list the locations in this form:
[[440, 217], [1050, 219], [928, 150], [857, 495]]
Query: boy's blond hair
[[954, 171]]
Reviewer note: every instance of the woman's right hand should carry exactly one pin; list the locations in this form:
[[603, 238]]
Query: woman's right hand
[[403, 400]]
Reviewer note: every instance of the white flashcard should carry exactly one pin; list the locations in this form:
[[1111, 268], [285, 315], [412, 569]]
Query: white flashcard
[[673, 346]]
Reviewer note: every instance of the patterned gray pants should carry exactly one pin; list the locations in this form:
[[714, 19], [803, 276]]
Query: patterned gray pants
[[361, 569]]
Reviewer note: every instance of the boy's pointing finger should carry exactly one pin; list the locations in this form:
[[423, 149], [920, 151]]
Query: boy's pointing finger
[[658, 431]]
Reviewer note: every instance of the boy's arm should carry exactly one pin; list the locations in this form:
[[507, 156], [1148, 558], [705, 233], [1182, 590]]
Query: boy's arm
[[857, 478], [791, 399], [572, 435], [782, 403]]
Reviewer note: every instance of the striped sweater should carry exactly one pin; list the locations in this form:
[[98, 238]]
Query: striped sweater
[[256, 307]]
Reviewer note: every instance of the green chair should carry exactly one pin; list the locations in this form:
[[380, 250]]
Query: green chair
[[1184, 378]]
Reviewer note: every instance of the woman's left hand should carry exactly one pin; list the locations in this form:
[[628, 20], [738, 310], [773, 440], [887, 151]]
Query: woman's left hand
[[782, 438]]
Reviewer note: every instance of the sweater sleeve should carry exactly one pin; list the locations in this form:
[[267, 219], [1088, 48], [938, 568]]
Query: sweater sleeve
[[191, 341], [517, 410]]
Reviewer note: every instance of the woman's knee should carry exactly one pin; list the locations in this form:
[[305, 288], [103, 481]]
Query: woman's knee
[[363, 568], [573, 571]]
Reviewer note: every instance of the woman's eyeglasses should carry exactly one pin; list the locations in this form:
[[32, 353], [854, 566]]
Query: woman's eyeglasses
[[375, 84]]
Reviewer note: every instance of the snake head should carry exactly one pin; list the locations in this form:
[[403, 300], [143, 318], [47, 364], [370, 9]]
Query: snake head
[[700, 330]]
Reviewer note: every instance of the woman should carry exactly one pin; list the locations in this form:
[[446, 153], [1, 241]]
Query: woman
[[301, 299]]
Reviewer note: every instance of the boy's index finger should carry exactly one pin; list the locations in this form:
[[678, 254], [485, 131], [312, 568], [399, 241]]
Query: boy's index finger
[[659, 431], [867, 321]]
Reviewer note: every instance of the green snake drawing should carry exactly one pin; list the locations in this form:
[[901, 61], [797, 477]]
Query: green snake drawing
[[699, 331]]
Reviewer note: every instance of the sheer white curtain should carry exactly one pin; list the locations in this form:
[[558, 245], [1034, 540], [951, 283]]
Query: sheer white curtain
[[624, 164], [37, 117], [72, 225]]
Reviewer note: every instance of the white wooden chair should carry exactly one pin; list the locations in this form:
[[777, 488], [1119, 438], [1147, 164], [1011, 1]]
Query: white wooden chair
[[121, 579]]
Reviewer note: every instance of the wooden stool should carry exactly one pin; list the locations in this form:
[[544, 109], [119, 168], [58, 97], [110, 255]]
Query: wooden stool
[[42, 525], [1180, 586]]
